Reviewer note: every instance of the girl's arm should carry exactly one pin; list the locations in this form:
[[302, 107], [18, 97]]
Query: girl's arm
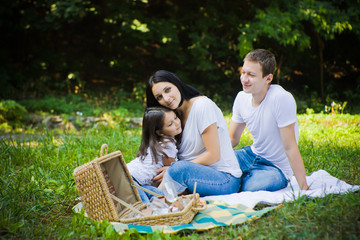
[[167, 160], [211, 141], [172, 151], [161, 171]]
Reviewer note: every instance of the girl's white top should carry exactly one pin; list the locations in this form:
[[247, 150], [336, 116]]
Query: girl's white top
[[144, 171]]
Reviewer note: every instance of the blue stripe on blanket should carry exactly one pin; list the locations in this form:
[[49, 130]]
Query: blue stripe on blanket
[[216, 214]]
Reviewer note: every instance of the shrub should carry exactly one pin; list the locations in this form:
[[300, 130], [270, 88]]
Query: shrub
[[11, 113]]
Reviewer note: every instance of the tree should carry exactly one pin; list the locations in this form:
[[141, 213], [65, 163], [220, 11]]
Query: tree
[[53, 46], [300, 23]]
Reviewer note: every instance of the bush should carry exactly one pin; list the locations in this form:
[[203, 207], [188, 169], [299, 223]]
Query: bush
[[11, 113]]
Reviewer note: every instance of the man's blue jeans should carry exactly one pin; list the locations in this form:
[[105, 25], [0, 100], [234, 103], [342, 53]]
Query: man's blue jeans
[[258, 173], [184, 174]]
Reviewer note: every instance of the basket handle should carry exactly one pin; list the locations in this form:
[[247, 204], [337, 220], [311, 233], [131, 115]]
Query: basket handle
[[194, 195], [127, 205], [196, 201], [146, 190], [199, 208], [103, 147]]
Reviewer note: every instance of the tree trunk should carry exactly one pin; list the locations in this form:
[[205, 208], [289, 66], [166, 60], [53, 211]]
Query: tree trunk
[[321, 65], [278, 69]]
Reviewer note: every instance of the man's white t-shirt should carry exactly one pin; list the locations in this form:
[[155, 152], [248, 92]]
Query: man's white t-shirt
[[144, 171], [203, 113], [277, 110]]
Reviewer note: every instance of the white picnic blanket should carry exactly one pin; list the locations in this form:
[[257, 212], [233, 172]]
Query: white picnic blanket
[[320, 183]]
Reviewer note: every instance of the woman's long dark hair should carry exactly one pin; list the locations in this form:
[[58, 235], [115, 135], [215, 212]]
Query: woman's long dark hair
[[153, 120], [186, 91]]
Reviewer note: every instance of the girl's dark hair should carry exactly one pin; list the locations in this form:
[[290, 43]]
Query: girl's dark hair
[[186, 91], [153, 120]]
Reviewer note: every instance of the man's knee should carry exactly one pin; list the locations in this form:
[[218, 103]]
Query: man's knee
[[266, 180]]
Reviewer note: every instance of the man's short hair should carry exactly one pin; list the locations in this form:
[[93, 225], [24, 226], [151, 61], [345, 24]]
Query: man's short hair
[[265, 58]]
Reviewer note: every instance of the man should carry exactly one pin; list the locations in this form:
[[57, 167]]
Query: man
[[269, 112]]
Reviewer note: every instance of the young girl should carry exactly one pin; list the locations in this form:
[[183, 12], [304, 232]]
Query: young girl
[[161, 127]]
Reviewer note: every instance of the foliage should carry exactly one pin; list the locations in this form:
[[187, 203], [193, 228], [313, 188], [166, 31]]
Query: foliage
[[286, 22], [11, 114], [10, 110], [85, 105], [335, 108], [38, 191], [305, 24], [58, 47]]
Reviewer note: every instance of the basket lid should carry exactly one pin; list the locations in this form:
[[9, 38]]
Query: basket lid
[[119, 175]]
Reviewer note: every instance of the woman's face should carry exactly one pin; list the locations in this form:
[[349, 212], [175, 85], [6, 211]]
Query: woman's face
[[167, 94]]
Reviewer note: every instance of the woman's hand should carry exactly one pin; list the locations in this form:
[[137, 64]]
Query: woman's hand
[[161, 171]]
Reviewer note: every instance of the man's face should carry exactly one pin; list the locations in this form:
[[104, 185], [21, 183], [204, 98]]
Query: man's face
[[252, 79]]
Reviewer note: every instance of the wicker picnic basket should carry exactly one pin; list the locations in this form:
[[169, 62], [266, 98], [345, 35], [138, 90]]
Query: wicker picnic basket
[[108, 191]]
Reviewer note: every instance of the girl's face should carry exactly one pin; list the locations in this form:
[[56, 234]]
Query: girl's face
[[172, 125], [167, 94]]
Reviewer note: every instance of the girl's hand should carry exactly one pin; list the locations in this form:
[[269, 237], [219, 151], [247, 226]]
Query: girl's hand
[[167, 160], [159, 177]]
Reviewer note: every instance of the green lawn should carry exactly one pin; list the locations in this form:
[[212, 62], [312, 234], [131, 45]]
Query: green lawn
[[38, 190]]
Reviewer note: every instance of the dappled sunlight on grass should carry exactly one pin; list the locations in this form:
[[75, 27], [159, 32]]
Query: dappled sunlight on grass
[[329, 120], [331, 142]]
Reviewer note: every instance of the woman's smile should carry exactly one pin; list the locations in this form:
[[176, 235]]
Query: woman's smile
[[167, 94]]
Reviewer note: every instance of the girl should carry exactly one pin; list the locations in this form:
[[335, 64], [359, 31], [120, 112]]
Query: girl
[[161, 127]]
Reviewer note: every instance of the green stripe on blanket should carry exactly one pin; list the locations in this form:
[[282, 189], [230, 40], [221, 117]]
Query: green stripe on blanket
[[216, 214]]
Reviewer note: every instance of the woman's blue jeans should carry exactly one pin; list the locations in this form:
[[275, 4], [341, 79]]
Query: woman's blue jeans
[[209, 181], [258, 173]]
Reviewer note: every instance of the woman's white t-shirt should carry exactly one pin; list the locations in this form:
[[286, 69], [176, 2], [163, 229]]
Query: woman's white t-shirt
[[203, 113], [144, 171], [277, 110]]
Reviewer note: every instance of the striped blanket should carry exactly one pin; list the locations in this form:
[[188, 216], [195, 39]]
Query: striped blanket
[[232, 209], [216, 214]]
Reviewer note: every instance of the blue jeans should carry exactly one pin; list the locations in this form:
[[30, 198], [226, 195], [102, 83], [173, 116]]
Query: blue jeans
[[145, 197], [258, 173], [184, 174]]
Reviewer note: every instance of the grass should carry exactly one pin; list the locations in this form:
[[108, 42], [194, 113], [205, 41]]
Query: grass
[[38, 190]]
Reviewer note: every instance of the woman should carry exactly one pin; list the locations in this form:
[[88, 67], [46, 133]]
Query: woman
[[205, 152]]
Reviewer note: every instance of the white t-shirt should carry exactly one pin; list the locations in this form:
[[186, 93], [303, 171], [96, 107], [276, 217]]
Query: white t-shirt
[[203, 113], [277, 110], [144, 171]]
